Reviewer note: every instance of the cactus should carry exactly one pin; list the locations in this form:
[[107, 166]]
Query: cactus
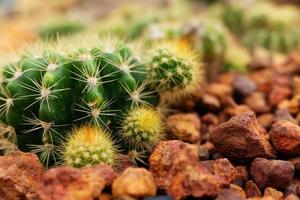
[[234, 18], [89, 145], [212, 42], [142, 128], [174, 69]]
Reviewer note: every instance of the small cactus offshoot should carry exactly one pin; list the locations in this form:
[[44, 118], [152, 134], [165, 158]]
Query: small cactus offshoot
[[89, 145], [142, 128], [174, 69]]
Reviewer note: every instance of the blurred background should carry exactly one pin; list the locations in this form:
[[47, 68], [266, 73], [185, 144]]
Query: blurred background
[[224, 32]]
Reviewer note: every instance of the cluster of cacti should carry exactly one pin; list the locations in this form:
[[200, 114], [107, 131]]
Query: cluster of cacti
[[63, 103]]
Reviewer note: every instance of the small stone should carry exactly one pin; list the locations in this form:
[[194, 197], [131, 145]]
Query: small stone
[[283, 114], [134, 182], [278, 93], [238, 190], [81, 184], [252, 190], [20, 176], [291, 105], [263, 79], [242, 138], [223, 168], [228, 194], [219, 90], [285, 137], [272, 173], [265, 120], [236, 110], [211, 102], [242, 175], [275, 194], [257, 102], [243, 85], [185, 127]]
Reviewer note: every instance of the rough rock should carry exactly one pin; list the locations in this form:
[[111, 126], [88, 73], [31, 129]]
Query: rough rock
[[272, 173], [20, 176], [241, 138], [252, 190], [176, 169], [169, 157], [285, 137], [134, 182], [67, 183], [185, 127]]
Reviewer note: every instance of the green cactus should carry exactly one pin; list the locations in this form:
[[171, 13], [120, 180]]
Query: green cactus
[[234, 18], [142, 128], [89, 145], [212, 43], [174, 70]]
